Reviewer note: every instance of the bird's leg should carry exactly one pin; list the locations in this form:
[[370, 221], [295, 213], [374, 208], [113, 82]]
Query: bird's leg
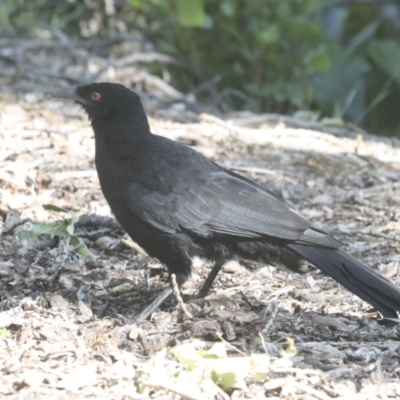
[[152, 306], [210, 279], [178, 297]]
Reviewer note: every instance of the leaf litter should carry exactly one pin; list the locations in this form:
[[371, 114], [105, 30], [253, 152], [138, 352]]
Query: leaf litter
[[263, 332]]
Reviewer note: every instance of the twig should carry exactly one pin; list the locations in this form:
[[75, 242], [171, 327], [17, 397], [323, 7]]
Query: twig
[[116, 290], [231, 346], [143, 58], [178, 296], [133, 245], [263, 343], [154, 81]]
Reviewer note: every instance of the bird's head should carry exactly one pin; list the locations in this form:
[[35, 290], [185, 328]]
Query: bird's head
[[111, 107], [103, 100]]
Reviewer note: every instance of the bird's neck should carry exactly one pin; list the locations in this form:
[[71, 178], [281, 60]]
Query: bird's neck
[[120, 136]]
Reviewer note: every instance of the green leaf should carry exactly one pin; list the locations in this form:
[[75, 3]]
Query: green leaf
[[70, 228], [29, 236], [218, 350], [270, 35], [361, 38], [296, 93], [190, 13], [290, 350], [228, 8], [80, 246], [187, 356], [347, 74], [386, 55], [52, 207], [307, 115], [208, 22], [310, 6], [318, 59], [165, 46], [259, 367], [61, 228], [333, 121], [230, 373], [4, 333], [67, 225], [54, 229], [74, 217], [138, 4]]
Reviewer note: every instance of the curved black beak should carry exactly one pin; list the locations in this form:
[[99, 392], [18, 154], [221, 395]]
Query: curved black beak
[[68, 93]]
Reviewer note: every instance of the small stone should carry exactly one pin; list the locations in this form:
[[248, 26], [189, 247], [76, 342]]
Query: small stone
[[104, 242], [232, 267]]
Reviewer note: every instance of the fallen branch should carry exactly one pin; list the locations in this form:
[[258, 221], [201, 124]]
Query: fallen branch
[[97, 221]]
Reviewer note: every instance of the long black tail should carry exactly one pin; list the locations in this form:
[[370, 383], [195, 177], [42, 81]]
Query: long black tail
[[355, 276]]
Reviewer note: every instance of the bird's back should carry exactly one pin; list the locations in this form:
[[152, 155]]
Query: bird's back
[[160, 165]]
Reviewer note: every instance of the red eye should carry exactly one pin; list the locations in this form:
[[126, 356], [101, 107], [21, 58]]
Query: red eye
[[95, 96]]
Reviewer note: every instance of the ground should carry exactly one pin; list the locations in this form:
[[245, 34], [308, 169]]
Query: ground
[[262, 333]]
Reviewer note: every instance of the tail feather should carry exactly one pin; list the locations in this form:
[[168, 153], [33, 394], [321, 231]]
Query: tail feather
[[355, 276]]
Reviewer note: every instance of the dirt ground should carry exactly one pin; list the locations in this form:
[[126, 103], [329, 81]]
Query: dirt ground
[[262, 332]]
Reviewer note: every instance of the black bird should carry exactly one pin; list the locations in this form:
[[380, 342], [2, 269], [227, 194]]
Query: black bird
[[177, 204]]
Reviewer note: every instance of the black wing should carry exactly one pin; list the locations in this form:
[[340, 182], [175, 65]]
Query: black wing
[[217, 202]]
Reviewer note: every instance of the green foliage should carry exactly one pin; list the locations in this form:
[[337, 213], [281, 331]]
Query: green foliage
[[63, 228], [25, 17], [347, 76], [386, 55], [190, 13], [275, 54], [269, 50]]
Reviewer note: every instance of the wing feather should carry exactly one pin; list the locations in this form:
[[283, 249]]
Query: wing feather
[[217, 203]]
